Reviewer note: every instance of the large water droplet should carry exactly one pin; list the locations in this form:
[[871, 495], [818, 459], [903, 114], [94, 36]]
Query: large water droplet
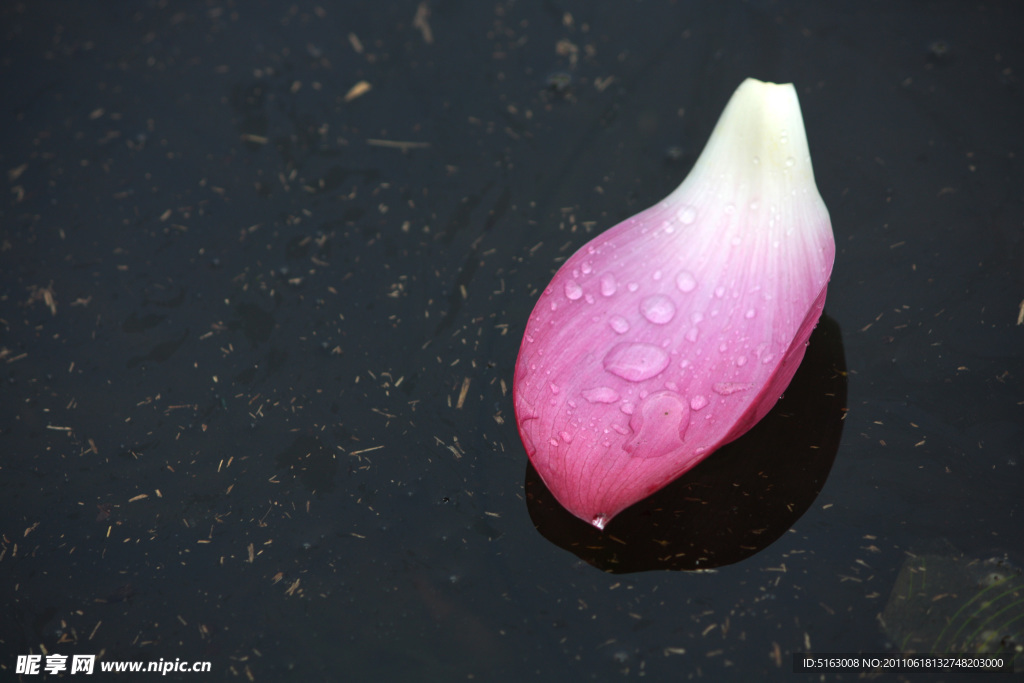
[[601, 395], [608, 284], [619, 324], [572, 290], [599, 521], [687, 215], [686, 282], [636, 362], [658, 309], [659, 425]]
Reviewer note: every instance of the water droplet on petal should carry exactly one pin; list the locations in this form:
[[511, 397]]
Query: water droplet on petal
[[687, 215], [659, 425], [658, 309], [698, 402], [599, 521], [601, 395], [572, 290], [790, 161], [636, 362], [686, 282], [719, 292], [566, 437], [692, 334], [619, 324], [750, 313], [608, 284], [730, 388]]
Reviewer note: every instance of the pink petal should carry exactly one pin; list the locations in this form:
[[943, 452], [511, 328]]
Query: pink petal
[[674, 332]]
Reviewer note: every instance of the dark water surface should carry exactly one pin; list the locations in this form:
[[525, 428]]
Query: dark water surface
[[258, 325]]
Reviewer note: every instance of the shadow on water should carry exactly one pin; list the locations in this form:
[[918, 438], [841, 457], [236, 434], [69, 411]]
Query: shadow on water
[[735, 503]]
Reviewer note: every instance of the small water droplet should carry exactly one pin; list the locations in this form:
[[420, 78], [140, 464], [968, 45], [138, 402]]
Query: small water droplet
[[601, 395], [730, 388], [698, 402], [586, 268], [741, 361], [692, 334], [636, 362], [687, 215], [790, 161], [757, 160], [656, 275], [632, 286], [719, 292], [658, 309], [599, 521], [619, 324], [566, 437], [608, 284], [572, 290], [750, 313], [686, 282]]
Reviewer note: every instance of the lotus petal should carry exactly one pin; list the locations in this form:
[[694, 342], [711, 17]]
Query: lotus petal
[[674, 332]]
